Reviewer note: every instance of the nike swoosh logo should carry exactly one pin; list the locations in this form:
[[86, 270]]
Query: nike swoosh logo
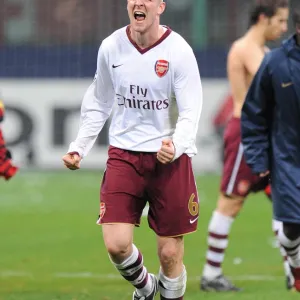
[[193, 221], [116, 66], [284, 85]]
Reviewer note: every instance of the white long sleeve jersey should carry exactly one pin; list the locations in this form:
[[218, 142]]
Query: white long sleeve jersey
[[154, 93]]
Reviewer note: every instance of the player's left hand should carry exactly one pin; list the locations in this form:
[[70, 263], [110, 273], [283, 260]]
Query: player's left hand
[[167, 152]]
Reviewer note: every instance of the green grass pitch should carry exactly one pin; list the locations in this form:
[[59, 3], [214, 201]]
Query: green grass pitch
[[51, 248]]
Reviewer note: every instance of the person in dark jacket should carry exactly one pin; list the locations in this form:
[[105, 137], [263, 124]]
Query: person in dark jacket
[[270, 128], [268, 21]]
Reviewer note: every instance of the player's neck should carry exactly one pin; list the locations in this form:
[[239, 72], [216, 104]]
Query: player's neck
[[147, 39], [256, 33]]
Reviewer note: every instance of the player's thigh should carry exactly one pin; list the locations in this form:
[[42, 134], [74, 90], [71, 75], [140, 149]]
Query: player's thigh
[[122, 189], [230, 205], [174, 205]]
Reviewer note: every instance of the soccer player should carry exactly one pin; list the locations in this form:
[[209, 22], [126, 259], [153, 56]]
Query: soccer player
[[271, 139], [268, 22], [7, 169], [147, 71]]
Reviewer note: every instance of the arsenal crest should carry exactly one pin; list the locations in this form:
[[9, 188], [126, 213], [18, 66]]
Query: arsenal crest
[[161, 68], [243, 186], [102, 210], [101, 213]]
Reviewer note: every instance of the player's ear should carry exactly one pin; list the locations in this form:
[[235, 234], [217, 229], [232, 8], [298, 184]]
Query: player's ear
[[162, 7], [263, 19]]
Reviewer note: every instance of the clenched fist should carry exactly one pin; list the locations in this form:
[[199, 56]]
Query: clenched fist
[[72, 160], [167, 152]]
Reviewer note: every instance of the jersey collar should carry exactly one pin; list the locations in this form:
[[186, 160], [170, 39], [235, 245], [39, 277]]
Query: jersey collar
[[144, 50]]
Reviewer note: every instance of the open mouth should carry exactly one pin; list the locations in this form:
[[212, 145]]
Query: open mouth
[[139, 15]]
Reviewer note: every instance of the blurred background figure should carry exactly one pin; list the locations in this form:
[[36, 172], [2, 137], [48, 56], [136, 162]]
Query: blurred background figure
[[7, 169], [268, 20]]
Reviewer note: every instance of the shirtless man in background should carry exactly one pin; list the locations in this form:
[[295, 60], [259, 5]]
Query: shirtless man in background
[[268, 21]]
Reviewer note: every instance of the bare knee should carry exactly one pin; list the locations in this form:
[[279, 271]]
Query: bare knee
[[118, 240], [170, 253], [230, 206], [118, 249]]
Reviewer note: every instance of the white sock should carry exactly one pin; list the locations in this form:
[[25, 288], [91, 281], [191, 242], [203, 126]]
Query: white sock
[[292, 248], [276, 225], [172, 288], [133, 270], [219, 229]]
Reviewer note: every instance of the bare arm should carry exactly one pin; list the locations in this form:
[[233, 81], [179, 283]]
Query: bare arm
[[252, 59], [242, 65]]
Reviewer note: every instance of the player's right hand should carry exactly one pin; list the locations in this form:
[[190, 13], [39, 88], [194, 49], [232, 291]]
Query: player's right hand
[[264, 174], [72, 161]]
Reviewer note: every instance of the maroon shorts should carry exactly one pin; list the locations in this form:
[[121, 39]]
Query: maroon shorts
[[132, 179], [237, 178]]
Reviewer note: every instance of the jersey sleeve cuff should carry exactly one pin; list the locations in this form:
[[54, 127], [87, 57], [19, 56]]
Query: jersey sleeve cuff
[[179, 150], [75, 149]]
